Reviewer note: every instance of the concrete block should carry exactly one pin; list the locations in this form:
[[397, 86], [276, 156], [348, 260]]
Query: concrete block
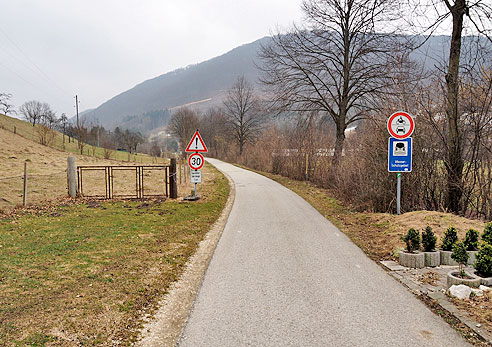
[[392, 265], [413, 260], [472, 257], [486, 281], [432, 259], [446, 258]]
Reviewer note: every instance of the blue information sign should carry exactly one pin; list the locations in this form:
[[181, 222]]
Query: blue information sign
[[400, 155]]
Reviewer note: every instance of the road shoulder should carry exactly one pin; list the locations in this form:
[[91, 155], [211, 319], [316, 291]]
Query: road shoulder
[[165, 327]]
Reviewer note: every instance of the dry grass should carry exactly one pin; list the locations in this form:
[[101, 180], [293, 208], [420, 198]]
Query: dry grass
[[85, 273], [479, 307]]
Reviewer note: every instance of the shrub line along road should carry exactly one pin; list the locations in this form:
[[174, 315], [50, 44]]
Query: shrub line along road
[[283, 275]]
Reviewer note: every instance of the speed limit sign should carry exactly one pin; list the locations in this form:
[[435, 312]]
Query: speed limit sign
[[195, 161]]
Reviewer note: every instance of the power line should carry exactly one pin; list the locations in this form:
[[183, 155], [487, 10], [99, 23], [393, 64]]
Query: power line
[[40, 71], [22, 78]]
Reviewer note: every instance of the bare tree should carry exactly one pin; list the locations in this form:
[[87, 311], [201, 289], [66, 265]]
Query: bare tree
[[46, 135], [214, 130], [48, 117], [62, 125], [32, 111], [132, 140], [428, 16], [5, 106], [334, 65], [82, 131], [242, 110], [108, 147], [155, 149], [182, 124]]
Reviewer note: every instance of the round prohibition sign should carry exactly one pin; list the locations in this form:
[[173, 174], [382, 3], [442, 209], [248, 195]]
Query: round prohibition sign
[[400, 125], [196, 161]]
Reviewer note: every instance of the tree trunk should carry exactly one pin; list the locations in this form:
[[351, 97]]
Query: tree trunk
[[455, 163], [340, 124], [241, 146], [337, 155]]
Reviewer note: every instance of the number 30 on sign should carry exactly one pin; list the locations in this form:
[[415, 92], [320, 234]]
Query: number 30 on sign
[[195, 161]]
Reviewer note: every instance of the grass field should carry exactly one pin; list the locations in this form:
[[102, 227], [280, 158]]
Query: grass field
[[85, 273]]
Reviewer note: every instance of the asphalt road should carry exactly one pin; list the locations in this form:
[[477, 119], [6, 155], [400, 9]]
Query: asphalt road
[[283, 275]]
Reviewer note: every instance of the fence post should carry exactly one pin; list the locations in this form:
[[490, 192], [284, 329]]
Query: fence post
[[24, 195], [172, 180], [180, 172], [72, 183]]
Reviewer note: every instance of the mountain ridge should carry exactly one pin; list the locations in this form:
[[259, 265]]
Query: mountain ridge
[[206, 80], [205, 84]]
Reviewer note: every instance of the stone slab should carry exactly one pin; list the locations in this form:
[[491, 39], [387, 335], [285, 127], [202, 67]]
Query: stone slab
[[392, 265]]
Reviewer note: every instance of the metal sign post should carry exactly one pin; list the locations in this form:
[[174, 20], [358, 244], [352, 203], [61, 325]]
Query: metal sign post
[[196, 177]]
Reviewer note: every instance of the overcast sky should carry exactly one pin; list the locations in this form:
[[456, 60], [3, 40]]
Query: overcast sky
[[54, 49]]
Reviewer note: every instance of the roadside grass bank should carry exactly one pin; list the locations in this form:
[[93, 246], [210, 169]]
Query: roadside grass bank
[[85, 273], [378, 235]]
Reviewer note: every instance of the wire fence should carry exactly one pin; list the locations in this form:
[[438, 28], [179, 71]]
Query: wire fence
[[45, 187], [39, 188]]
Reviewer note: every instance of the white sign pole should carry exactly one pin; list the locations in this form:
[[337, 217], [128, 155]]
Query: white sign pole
[[195, 187], [195, 183]]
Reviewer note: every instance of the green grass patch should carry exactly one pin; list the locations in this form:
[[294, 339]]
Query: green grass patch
[[84, 275]]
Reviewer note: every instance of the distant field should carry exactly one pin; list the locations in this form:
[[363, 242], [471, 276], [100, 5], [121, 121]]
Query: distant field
[[46, 166]]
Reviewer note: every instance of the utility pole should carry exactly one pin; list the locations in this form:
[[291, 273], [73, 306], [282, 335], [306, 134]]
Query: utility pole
[[77, 108], [78, 129]]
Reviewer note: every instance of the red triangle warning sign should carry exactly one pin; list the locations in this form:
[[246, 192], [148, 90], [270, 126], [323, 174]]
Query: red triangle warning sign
[[196, 144]]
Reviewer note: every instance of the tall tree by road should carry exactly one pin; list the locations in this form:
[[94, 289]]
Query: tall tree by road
[[242, 110], [183, 124], [476, 14], [334, 64], [214, 130]]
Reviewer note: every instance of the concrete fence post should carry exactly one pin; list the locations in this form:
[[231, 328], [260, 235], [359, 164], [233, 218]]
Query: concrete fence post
[[71, 177]]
